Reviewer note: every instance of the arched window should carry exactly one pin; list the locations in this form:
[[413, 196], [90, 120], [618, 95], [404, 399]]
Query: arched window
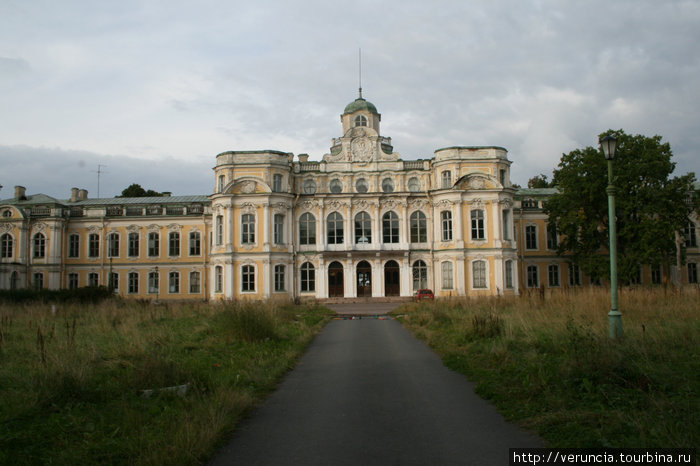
[[363, 228], [307, 229], [390, 228], [307, 277], [6, 246], [39, 245], [247, 229], [360, 120], [335, 228], [479, 274], [478, 224], [420, 275], [419, 229]]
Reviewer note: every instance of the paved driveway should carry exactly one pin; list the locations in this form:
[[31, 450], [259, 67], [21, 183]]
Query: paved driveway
[[367, 392]]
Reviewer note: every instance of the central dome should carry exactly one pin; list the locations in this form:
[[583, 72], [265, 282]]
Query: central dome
[[360, 104]]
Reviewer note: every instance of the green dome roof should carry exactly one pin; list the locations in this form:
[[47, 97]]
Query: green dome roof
[[360, 104]]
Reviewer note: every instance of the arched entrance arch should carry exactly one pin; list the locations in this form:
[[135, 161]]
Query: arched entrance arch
[[392, 279], [364, 279], [335, 280]]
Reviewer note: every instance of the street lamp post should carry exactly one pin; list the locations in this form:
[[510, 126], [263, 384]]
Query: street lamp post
[[609, 146]]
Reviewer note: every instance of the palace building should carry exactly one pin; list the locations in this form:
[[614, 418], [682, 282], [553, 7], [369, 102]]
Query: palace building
[[361, 222]]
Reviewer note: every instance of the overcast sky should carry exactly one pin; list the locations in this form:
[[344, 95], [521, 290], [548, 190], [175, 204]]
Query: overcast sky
[[153, 90]]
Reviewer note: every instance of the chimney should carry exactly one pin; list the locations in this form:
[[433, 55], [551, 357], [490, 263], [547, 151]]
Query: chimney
[[74, 194], [20, 193], [82, 195], [303, 157]]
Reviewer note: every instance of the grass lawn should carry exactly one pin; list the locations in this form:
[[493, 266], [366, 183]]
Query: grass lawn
[[71, 384], [549, 365]]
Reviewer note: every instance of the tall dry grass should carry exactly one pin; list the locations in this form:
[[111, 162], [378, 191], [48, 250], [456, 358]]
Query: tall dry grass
[[549, 363]]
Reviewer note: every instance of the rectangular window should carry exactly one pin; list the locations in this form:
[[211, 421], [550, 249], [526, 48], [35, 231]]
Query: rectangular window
[[72, 281], [533, 280], [307, 229], [478, 224], [195, 286], [502, 177], [74, 246], [195, 243], [173, 244], [278, 229], [531, 237], [552, 238], [277, 183], [248, 278], [114, 283], [174, 282], [93, 279], [656, 274], [113, 245], [219, 230], [692, 272], [153, 244], [479, 274], [446, 217], [153, 282], [506, 224], [446, 179], [308, 277], [574, 275], [279, 278], [553, 273], [222, 183], [38, 278], [447, 282], [247, 229], [218, 279], [509, 274], [94, 245], [133, 282], [691, 240], [133, 247]]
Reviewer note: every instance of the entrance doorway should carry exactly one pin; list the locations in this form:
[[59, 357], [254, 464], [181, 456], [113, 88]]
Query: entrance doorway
[[335, 280], [392, 279], [364, 279]]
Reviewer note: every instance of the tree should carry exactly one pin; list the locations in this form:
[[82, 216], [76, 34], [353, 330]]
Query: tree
[[650, 205], [539, 181], [135, 190]]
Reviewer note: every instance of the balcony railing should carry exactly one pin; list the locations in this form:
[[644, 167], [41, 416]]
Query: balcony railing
[[40, 211]]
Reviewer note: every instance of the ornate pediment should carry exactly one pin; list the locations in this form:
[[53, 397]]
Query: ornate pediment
[[477, 182]]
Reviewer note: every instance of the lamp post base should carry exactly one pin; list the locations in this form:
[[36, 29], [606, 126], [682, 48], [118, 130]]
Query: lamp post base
[[615, 318]]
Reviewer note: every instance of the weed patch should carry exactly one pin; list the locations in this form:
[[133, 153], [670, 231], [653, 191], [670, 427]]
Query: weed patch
[[549, 363]]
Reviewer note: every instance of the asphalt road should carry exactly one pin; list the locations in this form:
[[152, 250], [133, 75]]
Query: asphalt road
[[367, 392]]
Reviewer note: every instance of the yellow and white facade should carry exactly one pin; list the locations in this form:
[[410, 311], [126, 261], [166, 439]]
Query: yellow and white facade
[[361, 222]]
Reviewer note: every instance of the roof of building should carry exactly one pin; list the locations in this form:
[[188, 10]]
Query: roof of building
[[536, 191], [35, 199], [360, 104]]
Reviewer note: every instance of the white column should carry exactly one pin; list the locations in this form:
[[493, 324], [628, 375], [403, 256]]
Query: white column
[[266, 277], [498, 286], [349, 276], [403, 227], [405, 271], [266, 227], [458, 226], [321, 243], [228, 268], [460, 278], [377, 278], [322, 280], [228, 224]]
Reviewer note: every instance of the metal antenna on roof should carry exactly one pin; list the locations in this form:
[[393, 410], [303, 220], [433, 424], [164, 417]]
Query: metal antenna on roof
[[360, 60], [99, 172]]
